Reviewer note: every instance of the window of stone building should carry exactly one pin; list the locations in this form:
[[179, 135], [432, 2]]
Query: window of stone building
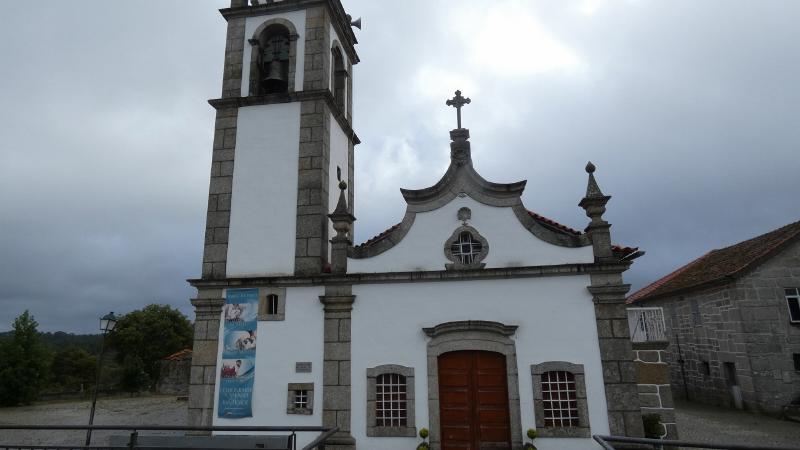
[[559, 398], [705, 367], [796, 357], [300, 398], [272, 304], [793, 302], [390, 401]]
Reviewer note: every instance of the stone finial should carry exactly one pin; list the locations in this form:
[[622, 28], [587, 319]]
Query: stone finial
[[595, 205], [460, 153], [342, 224], [592, 189]]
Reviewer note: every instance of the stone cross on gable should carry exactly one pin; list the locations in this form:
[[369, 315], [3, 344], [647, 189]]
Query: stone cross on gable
[[457, 102]]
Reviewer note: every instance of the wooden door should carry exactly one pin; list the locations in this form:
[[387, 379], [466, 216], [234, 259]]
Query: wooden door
[[473, 401]]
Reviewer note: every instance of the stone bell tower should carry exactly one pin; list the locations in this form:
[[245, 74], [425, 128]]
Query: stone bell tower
[[282, 133], [283, 128]]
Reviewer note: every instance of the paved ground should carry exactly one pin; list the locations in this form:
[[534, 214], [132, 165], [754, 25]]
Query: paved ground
[[704, 423], [151, 410], [695, 422]]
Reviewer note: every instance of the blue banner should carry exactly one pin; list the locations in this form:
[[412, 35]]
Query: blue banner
[[240, 315]]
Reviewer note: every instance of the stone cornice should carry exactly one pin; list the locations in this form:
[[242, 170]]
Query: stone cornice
[[338, 16], [298, 96], [471, 325], [417, 276], [612, 293]]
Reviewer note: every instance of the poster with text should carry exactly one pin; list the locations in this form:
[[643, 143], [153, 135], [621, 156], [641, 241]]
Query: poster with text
[[237, 371]]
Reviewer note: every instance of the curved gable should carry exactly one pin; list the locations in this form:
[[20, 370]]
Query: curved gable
[[498, 214]]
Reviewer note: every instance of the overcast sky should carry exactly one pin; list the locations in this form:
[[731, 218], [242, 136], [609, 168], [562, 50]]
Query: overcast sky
[[689, 110]]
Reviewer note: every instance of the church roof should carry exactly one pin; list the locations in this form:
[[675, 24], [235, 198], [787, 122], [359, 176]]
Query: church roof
[[721, 265], [552, 225]]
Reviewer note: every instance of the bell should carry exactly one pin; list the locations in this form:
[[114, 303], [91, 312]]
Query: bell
[[275, 81]]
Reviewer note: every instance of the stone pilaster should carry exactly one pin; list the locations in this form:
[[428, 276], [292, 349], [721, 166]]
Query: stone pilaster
[[219, 192], [655, 392], [336, 387], [314, 160], [218, 216], [619, 372], [312, 188], [608, 292], [316, 72], [203, 376]]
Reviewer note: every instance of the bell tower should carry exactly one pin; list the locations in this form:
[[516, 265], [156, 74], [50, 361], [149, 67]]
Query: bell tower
[[283, 128]]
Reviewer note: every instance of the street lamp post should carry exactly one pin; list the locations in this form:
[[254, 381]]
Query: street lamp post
[[107, 324]]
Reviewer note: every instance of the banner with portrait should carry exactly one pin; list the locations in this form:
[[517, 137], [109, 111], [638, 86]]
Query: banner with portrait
[[237, 371]]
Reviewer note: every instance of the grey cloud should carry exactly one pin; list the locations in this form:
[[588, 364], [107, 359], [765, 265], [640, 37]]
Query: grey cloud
[[688, 109]]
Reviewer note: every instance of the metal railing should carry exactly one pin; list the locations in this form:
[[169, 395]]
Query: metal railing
[[133, 442], [605, 442], [647, 324]]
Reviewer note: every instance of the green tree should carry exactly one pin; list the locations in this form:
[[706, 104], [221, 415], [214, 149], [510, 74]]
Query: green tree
[[73, 369], [134, 377], [25, 363], [150, 334]]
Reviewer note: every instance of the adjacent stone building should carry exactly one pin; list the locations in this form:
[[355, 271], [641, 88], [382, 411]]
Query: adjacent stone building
[[733, 321]]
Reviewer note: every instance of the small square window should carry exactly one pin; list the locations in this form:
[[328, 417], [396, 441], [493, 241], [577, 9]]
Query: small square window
[[300, 398], [272, 304]]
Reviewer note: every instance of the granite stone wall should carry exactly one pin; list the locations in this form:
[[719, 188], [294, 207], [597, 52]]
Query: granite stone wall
[[743, 325], [655, 392]]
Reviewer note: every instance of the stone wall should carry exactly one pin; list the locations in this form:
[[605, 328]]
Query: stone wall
[[770, 338], [744, 324], [655, 392]]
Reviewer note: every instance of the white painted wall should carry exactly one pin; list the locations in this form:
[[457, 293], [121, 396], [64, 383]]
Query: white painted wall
[[298, 19], [556, 323], [339, 148], [264, 202], [275, 364], [510, 244]]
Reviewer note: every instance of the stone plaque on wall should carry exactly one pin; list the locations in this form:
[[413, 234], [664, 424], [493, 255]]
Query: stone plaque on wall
[[302, 367]]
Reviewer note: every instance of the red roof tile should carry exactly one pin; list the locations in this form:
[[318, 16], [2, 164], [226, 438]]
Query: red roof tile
[[181, 355], [719, 266]]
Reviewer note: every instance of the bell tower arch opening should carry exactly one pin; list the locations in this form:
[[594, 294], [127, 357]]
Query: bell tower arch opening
[[273, 58]]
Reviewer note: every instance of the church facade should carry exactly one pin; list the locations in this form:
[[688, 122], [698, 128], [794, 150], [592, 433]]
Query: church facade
[[473, 317]]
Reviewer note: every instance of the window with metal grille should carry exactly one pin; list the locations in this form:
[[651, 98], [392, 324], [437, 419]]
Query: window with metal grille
[[793, 301], [390, 400], [300, 399], [466, 248], [560, 399], [272, 304]]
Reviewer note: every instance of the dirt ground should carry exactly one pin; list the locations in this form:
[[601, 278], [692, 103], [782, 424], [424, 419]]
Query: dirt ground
[[695, 422]]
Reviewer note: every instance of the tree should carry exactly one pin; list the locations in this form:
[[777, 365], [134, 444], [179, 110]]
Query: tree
[[73, 369], [134, 377], [150, 334], [26, 362]]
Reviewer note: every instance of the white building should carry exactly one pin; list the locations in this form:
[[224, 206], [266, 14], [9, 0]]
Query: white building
[[468, 318]]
